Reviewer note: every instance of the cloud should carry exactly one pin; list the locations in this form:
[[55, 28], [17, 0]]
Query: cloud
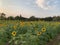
[[0, 3], [47, 4]]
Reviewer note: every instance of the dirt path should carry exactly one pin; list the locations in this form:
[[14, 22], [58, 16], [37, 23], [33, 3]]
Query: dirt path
[[56, 41]]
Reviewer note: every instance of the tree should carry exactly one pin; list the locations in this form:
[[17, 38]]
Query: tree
[[48, 19], [56, 18], [10, 18], [32, 18], [22, 18], [2, 16], [17, 18]]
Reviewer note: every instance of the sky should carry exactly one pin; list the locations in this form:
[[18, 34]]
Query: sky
[[27, 8]]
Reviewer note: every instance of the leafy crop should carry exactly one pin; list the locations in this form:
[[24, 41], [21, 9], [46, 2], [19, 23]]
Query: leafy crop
[[28, 33]]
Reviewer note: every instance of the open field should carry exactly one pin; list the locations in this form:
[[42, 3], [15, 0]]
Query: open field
[[28, 33]]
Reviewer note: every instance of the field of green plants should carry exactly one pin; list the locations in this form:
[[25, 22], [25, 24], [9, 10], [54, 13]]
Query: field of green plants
[[28, 33]]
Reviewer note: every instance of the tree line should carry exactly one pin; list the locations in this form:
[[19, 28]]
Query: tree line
[[32, 18]]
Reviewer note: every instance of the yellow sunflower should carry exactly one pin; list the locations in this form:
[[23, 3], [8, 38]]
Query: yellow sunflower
[[39, 33], [14, 27], [13, 33], [22, 24], [43, 29]]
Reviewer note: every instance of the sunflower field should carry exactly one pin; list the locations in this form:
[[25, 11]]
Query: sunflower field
[[28, 33]]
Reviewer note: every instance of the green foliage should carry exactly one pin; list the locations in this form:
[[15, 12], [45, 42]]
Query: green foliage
[[27, 33]]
